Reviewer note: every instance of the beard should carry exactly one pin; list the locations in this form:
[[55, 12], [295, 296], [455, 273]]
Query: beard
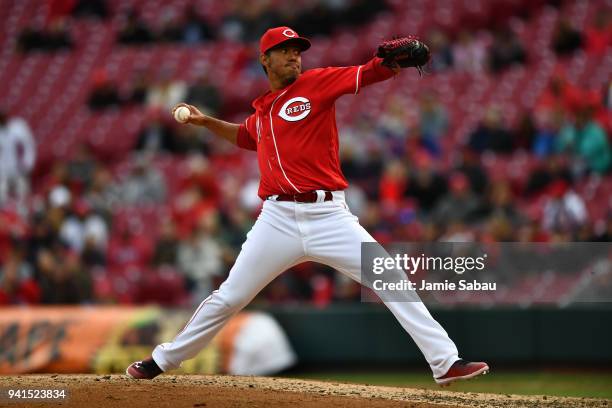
[[289, 79], [290, 75]]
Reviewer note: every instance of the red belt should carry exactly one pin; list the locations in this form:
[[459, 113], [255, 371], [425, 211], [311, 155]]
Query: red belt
[[307, 197]]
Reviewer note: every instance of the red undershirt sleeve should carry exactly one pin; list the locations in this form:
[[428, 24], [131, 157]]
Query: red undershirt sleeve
[[338, 81], [373, 71], [245, 139]]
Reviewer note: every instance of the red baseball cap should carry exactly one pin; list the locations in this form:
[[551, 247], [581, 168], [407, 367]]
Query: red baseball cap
[[279, 35]]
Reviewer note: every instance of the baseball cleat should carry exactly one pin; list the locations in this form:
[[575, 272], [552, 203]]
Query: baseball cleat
[[146, 369], [462, 370]]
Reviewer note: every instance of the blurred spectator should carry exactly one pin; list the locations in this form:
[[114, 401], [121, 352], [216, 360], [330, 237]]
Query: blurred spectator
[[143, 185], [355, 12], [189, 207], [30, 39], [361, 154], [205, 96], [102, 194], [196, 29], [13, 229], [560, 95], [566, 39], [104, 93], [199, 257], [17, 157], [491, 134], [166, 248], [93, 253], [471, 166], [156, 136], [235, 224], [319, 18], [457, 231], [524, 132], [232, 25], [555, 168], [55, 38], [63, 279], [60, 199], [393, 125], [41, 236], [588, 140], [547, 131], [433, 122], [17, 284], [191, 140], [442, 57], [127, 247], [134, 31], [171, 28], [58, 175], [599, 35], [200, 175], [500, 205], [316, 19], [248, 20], [459, 205], [505, 50], [346, 289], [426, 185], [71, 231], [469, 53], [605, 233], [498, 228], [564, 210], [82, 226], [392, 185], [531, 231], [81, 167], [139, 88], [91, 8], [166, 92], [59, 8]]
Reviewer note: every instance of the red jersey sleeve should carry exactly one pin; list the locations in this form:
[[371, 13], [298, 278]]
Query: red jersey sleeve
[[338, 81], [246, 137]]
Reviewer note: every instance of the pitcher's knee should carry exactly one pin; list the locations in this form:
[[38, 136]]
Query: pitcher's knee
[[230, 304]]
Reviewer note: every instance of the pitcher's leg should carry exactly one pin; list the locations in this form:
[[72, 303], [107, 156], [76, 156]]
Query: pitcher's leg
[[337, 243], [266, 253]]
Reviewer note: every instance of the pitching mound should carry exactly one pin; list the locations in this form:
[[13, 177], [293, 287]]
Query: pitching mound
[[230, 391]]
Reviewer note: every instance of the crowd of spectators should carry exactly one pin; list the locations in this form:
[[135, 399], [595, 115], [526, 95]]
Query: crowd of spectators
[[243, 21], [83, 237], [55, 37]]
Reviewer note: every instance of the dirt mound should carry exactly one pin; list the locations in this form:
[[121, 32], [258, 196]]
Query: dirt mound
[[232, 391]]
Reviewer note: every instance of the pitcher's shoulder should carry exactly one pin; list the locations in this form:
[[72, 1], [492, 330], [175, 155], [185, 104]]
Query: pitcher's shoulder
[[313, 73]]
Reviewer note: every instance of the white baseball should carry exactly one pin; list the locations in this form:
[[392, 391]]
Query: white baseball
[[181, 114]]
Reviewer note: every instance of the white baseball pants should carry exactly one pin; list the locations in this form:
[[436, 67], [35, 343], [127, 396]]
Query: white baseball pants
[[284, 235]]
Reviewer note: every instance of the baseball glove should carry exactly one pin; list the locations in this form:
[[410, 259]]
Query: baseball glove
[[404, 52]]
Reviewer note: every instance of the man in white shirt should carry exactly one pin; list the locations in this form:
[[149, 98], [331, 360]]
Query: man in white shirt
[[17, 157]]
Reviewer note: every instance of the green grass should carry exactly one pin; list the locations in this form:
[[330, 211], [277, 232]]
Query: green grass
[[572, 384]]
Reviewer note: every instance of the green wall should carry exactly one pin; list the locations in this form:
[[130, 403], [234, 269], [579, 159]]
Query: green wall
[[365, 333]]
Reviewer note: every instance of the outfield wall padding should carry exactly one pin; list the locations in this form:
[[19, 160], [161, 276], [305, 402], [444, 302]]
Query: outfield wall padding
[[370, 334]]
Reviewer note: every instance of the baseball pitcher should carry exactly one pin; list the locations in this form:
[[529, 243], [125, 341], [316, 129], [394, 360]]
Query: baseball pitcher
[[304, 216]]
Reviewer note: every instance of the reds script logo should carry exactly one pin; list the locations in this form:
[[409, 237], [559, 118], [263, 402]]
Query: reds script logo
[[295, 109]]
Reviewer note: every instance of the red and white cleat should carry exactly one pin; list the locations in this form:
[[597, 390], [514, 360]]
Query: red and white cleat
[[463, 370]]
